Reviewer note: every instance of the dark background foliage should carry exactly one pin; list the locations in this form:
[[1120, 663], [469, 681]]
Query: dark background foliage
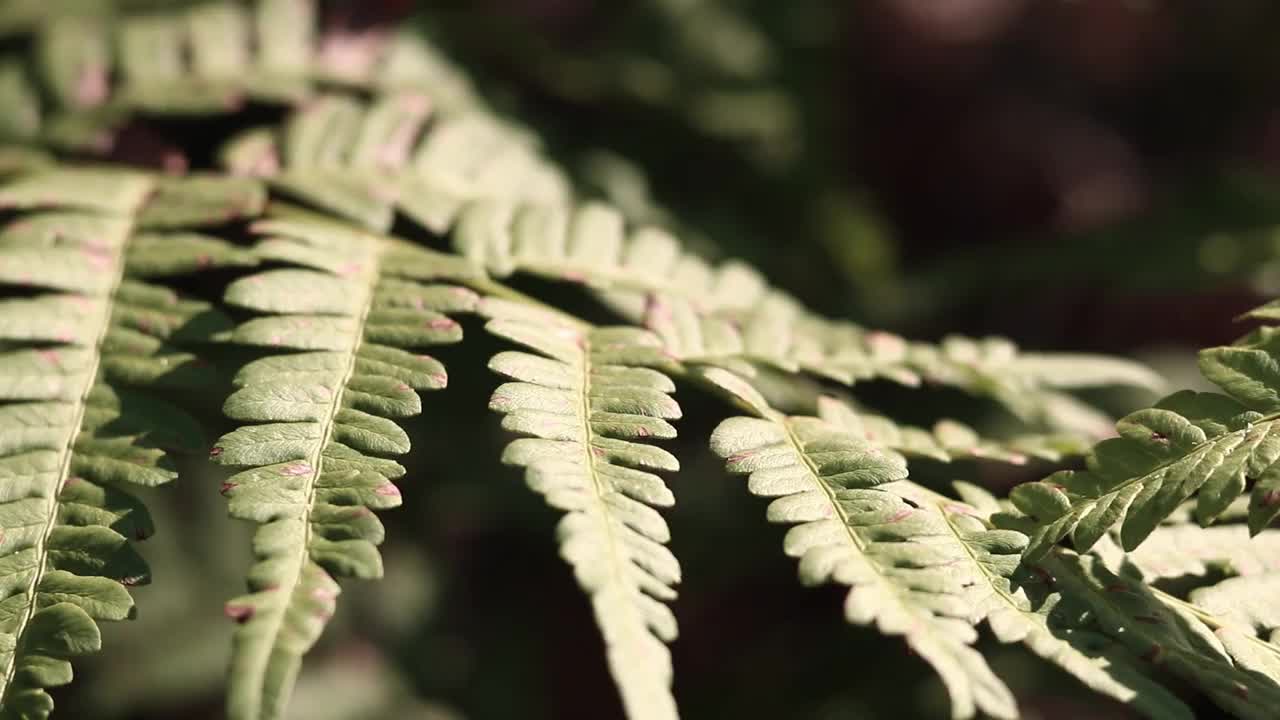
[[1075, 174]]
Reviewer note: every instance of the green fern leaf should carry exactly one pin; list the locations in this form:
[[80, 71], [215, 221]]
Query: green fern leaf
[[1020, 608], [1208, 445], [948, 439], [725, 316], [919, 564], [1234, 668], [847, 531], [364, 161], [320, 417], [1181, 550], [508, 211], [585, 396], [1246, 606], [97, 66], [339, 309], [590, 244], [1244, 602], [73, 435]]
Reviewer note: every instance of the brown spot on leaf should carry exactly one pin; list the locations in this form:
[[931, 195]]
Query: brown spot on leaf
[[91, 86], [239, 613], [899, 516], [266, 164], [1154, 654], [1045, 576], [174, 163]]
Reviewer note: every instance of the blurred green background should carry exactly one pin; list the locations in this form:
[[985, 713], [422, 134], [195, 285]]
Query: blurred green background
[[1086, 175]]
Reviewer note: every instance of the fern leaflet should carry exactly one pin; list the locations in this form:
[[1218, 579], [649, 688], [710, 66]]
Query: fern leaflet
[[1235, 669], [1020, 608], [95, 67], [849, 532], [1209, 445], [1178, 550], [585, 396], [726, 316], [75, 429], [930, 568], [351, 304]]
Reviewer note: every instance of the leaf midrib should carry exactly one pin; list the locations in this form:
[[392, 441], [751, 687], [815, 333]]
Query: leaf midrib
[[316, 459], [843, 516], [616, 562]]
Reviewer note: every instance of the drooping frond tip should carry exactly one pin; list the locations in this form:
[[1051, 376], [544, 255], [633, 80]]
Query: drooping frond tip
[[586, 397]]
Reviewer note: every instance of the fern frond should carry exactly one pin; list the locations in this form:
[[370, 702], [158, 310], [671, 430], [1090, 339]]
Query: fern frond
[[1245, 602], [726, 316], [75, 432], [592, 244], [920, 565], [1019, 607], [1179, 550], [363, 161], [947, 440], [352, 305], [1246, 606], [1208, 445], [1236, 669], [98, 66], [510, 211], [585, 396], [849, 532]]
